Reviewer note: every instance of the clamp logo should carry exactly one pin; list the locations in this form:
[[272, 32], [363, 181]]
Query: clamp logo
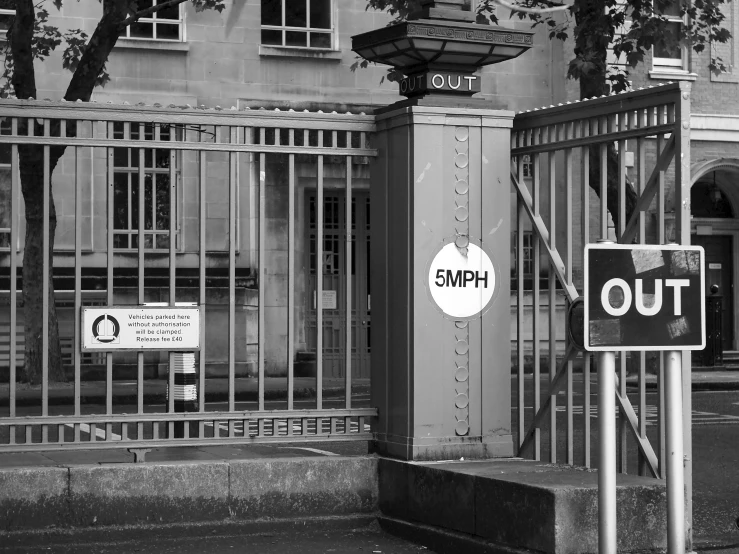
[[105, 329]]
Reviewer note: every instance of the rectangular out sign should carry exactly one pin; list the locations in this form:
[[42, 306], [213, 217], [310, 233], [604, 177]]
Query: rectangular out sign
[[140, 328], [644, 297]]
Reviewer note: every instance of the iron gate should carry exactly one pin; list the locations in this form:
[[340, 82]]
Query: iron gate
[[175, 204]]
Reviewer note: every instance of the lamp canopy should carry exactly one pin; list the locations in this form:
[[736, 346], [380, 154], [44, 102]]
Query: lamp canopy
[[440, 47]]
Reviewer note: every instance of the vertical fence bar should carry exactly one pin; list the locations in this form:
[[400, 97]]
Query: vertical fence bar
[[14, 222], [348, 270], [172, 256], [552, 298], [109, 277], [202, 176], [622, 423], [520, 315], [639, 120], [141, 252], [232, 240], [603, 182], [291, 274], [47, 264], [586, 130], [658, 115], [536, 172], [261, 277], [77, 277], [319, 279], [569, 134]]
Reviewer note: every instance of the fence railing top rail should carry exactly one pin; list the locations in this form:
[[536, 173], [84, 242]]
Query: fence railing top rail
[[193, 115], [647, 97]]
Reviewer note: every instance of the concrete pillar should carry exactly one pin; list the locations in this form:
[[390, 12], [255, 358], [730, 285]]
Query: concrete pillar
[[441, 383]]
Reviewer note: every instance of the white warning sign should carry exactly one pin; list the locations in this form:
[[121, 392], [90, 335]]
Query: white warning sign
[[141, 328], [461, 281]]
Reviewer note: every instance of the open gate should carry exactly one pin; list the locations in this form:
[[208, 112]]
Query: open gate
[[638, 139]]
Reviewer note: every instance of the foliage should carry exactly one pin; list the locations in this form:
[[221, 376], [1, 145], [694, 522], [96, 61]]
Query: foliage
[[47, 38], [631, 28]]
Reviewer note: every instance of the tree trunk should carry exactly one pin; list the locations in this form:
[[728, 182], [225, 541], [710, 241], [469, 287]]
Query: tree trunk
[[34, 270], [32, 177], [591, 46]]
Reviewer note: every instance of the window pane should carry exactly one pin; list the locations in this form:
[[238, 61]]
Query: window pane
[[162, 157], [5, 22], [171, 12], [320, 14], [168, 31], [120, 201], [142, 30], [271, 12], [295, 38], [669, 46], [320, 40], [162, 199], [668, 7], [271, 37], [120, 157], [295, 13]]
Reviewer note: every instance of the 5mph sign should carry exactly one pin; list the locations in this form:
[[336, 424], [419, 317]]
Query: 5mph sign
[[644, 297]]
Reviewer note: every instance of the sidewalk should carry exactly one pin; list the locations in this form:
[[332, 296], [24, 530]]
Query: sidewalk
[[155, 390], [702, 380]]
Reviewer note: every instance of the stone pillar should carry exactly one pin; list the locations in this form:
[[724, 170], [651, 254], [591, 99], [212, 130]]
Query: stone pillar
[[442, 384]]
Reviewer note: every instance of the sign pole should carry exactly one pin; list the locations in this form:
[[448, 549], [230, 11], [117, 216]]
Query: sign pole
[[674, 444], [606, 453]]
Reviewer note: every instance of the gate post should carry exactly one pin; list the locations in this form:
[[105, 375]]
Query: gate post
[[441, 382]]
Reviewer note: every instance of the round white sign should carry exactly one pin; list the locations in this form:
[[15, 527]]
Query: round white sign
[[462, 286]]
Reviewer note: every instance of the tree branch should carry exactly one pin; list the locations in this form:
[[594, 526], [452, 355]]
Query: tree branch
[[148, 11], [97, 51], [21, 38]]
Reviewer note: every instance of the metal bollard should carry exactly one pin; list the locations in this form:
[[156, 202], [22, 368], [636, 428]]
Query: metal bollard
[[185, 391]]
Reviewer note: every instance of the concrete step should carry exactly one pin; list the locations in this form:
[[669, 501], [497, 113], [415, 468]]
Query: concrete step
[[521, 504], [500, 506]]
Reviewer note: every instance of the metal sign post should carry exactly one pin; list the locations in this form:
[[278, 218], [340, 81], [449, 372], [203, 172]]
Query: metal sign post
[[606, 453], [643, 297], [674, 461]]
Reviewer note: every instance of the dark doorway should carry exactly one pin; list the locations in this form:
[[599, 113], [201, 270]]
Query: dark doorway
[[719, 271]]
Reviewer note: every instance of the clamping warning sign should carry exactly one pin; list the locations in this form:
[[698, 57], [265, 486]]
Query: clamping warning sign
[[141, 328]]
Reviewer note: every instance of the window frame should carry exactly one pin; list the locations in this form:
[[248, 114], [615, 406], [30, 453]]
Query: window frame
[[331, 30], [672, 65], [5, 11], [153, 20], [129, 170]]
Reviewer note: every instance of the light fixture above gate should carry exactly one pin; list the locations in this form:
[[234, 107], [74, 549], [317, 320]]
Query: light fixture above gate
[[440, 47]]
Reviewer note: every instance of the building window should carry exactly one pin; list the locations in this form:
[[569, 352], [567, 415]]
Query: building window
[[669, 54], [7, 13], [156, 185], [297, 23], [165, 24]]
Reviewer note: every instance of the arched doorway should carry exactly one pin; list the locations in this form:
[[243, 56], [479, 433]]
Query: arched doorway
[[713, 198]]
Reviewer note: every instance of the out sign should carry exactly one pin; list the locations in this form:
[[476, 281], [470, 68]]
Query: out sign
[[461, 281], [644, 297]]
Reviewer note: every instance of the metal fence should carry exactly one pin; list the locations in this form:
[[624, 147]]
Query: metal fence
[[170, 204], [641, 138]]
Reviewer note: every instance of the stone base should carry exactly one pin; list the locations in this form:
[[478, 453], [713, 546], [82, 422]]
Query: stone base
[[443, 448], [517, 504]]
